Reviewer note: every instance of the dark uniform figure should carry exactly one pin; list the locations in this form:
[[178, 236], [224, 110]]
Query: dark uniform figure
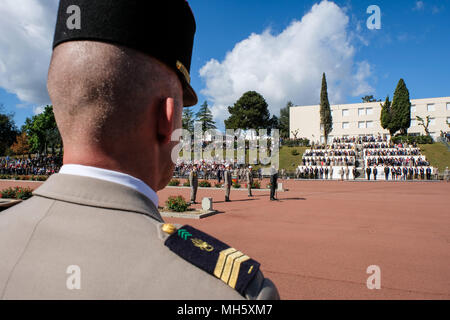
[[386, 173], [273, 183], [368, 172], [375, 172]]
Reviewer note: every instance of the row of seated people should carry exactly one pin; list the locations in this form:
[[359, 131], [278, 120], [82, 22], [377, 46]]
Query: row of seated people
[[399, 173], [393, 152], [378, 138], [387, 145], [397, 161], [328, 161], [331, 153], [325, 172], [335, 146]]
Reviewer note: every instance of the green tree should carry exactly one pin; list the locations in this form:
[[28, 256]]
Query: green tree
[[424, 124], [205, 116], [8, 132], [188, 119], [366, 99], [385, 117], [401, 109], [326, 121], [284, 120], [43, 131], [249, 112]]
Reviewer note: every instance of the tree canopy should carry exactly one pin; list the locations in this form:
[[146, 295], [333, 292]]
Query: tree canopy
[[251, 111], [8, 132], [43, 131], [205, 116], [385, 116], [401, 109], [188, 119], [326, 120], [284, 120]]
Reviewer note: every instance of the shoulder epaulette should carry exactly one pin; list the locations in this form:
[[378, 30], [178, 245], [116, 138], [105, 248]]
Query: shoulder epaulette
[[211, 255]]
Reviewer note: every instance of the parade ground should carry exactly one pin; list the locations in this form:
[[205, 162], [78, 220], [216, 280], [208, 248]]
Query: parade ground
[[318, 240]]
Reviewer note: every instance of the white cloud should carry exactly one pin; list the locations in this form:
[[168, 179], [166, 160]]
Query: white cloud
[[38, 110], [419, 6], [25, 47], [289, 66]]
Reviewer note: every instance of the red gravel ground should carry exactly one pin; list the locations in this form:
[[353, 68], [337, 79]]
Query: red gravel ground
[[317, 241]]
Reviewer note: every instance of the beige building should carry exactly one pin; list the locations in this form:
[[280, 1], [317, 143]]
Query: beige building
[[364, 119]]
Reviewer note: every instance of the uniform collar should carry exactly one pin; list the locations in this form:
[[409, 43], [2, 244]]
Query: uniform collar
[[99, 193], [111, 176]]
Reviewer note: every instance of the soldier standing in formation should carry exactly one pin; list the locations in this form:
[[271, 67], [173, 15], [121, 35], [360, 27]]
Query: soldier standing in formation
[[273, 183], [193, 182], [227, 182], [249, 178]]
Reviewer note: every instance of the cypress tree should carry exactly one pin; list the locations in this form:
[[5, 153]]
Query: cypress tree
[[401, 109], [385, 117], [325, 112], [205, 116]]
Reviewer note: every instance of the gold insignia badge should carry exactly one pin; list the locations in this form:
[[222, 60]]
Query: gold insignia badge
[[202, 245]]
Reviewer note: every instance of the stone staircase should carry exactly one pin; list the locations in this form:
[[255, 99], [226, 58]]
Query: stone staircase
[[360, 168]]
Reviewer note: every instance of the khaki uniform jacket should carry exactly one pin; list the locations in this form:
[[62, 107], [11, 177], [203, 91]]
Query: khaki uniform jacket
[[227, 178], [113, 234], [193, 178]]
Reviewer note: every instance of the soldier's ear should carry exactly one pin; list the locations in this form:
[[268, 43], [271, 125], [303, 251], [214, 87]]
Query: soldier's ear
[[165, 119]]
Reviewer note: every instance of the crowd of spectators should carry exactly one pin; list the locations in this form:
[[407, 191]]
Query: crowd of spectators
[[328, 161], [397, 162], [31, 165]]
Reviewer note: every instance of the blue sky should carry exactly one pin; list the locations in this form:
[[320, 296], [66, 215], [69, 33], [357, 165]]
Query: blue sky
[[413, 43]]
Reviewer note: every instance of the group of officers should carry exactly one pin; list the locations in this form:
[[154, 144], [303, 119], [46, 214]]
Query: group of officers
[[228, 181], [401, 173]]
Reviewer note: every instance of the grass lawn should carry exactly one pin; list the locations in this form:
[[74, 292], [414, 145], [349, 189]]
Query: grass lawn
[[437, 154], [289, 161]]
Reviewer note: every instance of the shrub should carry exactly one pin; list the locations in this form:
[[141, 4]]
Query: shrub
[[295, 152], [218, 185], [16, 193], [23, 193], [256, 185], [174, 183], [236, 185], [204, 184], [186, 184], [177, 204], [411, 139]]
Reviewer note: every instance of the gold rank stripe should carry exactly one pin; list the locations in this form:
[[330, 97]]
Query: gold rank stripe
[[236, 269], [229, 265], [221, 261]]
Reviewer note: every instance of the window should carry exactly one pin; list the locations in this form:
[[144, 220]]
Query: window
[[345, 125], [361, 124], [448, 119], [369, 111], [432, 121], [322, 139], [321, 126], [332, 113], [369, 124], [430, 107], [413, 108], [413, 122], [345, 112], [361, 111], [448, 106]]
